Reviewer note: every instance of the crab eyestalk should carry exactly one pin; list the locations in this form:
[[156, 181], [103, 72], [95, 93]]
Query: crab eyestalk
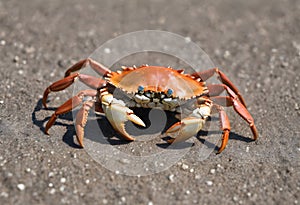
[[117, 114], [141, 89], [169, 92]]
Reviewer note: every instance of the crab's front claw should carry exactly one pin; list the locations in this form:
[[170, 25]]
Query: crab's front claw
[[185, 129], [117, 114]]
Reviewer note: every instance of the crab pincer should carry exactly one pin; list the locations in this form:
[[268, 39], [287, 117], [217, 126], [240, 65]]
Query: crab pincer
[[192, 124], [185, 129], [117, 114]]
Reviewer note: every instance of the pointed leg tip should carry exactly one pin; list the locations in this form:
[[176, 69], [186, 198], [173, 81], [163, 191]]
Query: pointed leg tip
[[81, 144], [219, 151], [80, 139], [170, 141], [127, 137], [254, 131], [44, 103]]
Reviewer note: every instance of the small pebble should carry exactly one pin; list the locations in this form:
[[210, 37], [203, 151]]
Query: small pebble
[[87, 181], [63, 180], [4, 194], [188, 192], [62, 188], [107, 50], [209, 183], [226, 54], [51, 174], [21, 187], [284, 64], [104, 201], [29, 49], [192, 170], [296, 106], [125, 161], [2, 42], [247, 149], [219, 166], [74, 155], [16, 59], [52, 191], [150, 203], [212, 171], [21, 72], [185, 166], [187, 39], [235, 198], [123, 199], [1, 101], [171, 177]]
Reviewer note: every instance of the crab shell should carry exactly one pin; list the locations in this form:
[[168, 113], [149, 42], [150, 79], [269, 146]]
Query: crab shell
[[157, 79]]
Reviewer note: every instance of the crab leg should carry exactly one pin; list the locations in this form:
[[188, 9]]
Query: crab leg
[[231, 100], [216, 89], [222, 100], [117, 114], [62, 84], [68, 106], [225, 126], [204, 75], [99, 68], [242, 111], [81, 119]]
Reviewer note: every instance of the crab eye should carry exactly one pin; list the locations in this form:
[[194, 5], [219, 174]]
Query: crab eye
[[169, 92], [141, 88]]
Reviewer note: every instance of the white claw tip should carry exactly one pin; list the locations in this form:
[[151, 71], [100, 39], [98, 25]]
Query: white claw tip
[[135, 119]]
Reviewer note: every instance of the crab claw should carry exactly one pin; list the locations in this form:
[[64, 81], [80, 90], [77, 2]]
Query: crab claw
[[185, 129], [117, 114]]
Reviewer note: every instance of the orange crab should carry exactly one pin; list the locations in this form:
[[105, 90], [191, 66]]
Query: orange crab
[[150, 87]]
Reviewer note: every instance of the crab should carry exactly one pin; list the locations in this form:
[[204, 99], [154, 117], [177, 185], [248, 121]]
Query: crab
[[150, 87]]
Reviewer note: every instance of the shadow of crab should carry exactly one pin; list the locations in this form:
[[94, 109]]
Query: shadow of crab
[[109, 135]]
